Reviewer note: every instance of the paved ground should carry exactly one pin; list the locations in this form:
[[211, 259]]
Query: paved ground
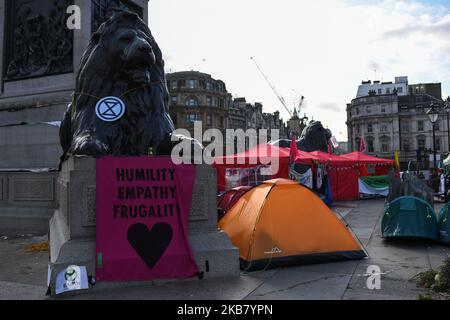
[[23, 275]]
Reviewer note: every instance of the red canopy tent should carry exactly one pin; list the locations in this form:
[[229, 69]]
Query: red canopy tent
[[365, 158], [258, 156], [343, 174], [362, 159], [324, 157]]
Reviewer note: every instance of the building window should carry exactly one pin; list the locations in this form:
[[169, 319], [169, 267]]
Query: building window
[[358, 129], [370, 147], [192, 84], [174, 100], [369, 110], [383, 128], [379, 91], [209, 101], [174, 84], [436, 125], [357, 111], [208, 85], [405, 127], [369, 128], [191, 117], [405, 145], [388, 91], [438, 144], [357, 143], [221, 103], [400, 90], [191, 102], [383, 109], [421, 143], [209, 120], [384, 146], [420, 125], [221, 121]]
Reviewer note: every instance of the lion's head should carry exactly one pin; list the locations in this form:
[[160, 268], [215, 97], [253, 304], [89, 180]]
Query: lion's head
[[314, 137], [126, 47]]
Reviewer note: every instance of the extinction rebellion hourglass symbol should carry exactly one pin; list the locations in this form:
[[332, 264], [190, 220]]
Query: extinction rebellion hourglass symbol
[[110, 109]]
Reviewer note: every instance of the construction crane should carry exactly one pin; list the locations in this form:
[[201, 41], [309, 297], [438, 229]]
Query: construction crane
[[283, 102], [300, 103]]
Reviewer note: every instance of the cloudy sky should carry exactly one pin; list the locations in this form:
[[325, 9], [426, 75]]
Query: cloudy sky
[[320, 49]]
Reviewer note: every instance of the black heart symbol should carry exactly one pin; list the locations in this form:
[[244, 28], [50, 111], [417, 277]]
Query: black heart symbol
[[150, 245]]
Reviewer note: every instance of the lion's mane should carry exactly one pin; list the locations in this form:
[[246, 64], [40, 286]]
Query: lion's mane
[[147, 122]]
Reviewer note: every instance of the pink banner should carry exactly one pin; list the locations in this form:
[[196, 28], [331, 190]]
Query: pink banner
[[143, 206]]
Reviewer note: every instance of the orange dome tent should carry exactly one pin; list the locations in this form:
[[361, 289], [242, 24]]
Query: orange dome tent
[[280, 222]]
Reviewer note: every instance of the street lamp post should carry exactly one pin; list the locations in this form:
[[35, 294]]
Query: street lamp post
[[433, 115], [447, 111]]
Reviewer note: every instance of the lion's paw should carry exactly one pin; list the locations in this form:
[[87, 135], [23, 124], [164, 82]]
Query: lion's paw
[[90, 146]]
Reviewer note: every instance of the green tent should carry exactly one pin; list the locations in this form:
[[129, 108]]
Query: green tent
[[409, 216], [444, 224]]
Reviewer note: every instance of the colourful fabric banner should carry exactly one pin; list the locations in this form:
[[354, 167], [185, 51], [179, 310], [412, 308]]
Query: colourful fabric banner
[[367, 189], [377, 182], [143, 206]]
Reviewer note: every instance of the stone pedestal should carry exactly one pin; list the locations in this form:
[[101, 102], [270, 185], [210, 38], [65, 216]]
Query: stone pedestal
[[72, 227]]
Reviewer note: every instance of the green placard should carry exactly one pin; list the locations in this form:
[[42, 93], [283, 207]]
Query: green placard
[[99, 260]]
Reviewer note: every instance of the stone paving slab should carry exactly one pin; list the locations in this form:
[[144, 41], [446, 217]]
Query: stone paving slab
[[390, 255], [296, 284], [20, 291], [341, 267], [20, 266], [363, 233], [366, 295], [393, 272], [391, 287], [211, 289]]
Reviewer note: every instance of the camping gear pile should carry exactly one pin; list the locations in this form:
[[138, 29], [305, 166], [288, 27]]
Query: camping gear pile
[[409, 211], [280, 222]]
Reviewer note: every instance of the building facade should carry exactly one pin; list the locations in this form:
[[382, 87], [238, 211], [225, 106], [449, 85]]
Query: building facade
[[400, 87], [237, 114], [395, 119], [196, 96], [245, 115], [272, 121]]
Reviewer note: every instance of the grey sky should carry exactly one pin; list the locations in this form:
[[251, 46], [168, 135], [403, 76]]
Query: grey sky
[[321, 49]]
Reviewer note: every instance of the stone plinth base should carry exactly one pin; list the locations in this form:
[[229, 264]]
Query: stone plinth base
[[72, 227]]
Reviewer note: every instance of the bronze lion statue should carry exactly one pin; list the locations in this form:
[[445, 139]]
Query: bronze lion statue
[[314, 137], [122, 60]]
